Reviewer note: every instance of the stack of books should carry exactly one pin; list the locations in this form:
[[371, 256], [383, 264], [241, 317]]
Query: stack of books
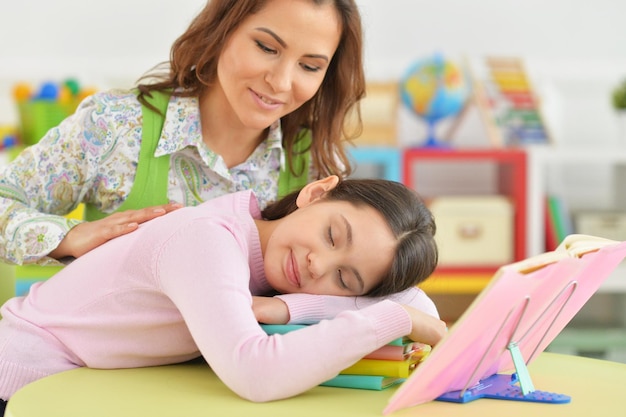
[[389, 365]]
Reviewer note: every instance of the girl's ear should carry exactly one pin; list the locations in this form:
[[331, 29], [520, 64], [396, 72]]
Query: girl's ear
[[315, 190]]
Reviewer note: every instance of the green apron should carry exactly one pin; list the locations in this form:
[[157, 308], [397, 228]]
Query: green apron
[[150, 185]]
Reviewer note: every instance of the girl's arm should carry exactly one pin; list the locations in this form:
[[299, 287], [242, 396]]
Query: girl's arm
[[204, 270], [308, 308], [426, 328]]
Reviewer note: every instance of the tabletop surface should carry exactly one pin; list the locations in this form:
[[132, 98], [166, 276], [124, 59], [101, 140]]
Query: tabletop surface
[[192, 389]]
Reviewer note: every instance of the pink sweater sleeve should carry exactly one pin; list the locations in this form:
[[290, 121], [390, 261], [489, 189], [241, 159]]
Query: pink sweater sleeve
[[307, 308], [207, 279]]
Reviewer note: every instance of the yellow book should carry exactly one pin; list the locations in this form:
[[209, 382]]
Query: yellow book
[[399, 369]]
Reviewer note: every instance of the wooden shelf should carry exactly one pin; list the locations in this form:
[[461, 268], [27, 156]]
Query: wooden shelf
[[454, 284], [436, 172], [511, 178]]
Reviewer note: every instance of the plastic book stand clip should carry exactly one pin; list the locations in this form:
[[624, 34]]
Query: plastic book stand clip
[[516, 387], [520, 312]]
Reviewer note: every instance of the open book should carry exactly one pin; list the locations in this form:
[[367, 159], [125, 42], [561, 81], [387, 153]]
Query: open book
[[525, 305]]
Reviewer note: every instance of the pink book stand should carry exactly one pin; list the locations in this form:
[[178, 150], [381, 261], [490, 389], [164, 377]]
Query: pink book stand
[[523, 308]]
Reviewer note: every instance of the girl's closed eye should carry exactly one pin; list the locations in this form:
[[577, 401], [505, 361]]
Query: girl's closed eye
[[342, 283], [330, 237], [340, 279]]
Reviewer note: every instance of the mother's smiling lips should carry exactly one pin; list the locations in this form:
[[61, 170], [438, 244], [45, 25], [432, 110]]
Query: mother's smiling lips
[[266, 101]]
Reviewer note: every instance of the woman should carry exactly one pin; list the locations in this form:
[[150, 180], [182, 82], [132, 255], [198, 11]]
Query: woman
[[183, 285], [242, 81], [244, 84]]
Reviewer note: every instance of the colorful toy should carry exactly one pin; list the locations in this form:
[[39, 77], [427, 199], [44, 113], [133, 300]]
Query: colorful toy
[[46, 107], [8, 137], [22, 92], [9, 144], [515, 107], [434, 89], [48, 91]]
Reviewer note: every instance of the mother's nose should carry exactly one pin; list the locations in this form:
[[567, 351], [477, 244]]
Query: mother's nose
[[280, 77]]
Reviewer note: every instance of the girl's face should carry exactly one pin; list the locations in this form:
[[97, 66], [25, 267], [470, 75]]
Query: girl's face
[[276, 60], [331, 248]]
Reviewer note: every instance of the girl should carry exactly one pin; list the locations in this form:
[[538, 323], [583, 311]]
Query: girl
[[182, 285]]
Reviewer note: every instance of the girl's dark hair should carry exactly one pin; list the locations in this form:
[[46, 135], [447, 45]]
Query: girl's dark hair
[[193, 66], [410, 220]]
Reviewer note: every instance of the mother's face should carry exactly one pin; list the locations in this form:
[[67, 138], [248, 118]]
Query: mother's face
[[276, 59]]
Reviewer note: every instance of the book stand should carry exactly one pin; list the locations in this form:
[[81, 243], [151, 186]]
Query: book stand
[[520, 312], [519, 385]]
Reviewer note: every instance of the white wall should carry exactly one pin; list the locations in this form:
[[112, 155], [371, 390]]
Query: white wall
[[102, 43], [575, 50]]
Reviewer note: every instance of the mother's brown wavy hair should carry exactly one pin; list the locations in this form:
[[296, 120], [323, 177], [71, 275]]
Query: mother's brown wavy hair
[[193, 66]]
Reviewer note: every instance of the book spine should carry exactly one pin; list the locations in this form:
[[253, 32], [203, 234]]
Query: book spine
[[399, 369], [398, 353], [370, 382], [401, 341], [271, 329], [389, 353]]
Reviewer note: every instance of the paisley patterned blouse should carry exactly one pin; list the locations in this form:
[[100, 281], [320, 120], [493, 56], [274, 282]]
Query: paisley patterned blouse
[[92, 156]]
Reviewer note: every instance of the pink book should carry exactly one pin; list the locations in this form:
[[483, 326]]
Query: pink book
[[523, 308], [398, 352]]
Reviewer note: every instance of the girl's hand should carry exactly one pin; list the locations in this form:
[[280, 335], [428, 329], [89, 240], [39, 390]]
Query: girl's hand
[[426, 328], [270, 310], [89, 235]]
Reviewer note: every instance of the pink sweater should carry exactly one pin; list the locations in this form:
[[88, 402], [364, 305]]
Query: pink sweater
[[180, 287]]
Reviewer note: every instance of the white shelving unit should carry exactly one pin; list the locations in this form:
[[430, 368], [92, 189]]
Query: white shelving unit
[[586, 178]]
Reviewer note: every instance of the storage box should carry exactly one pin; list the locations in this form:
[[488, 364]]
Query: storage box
[[474, 230], [607, 224]]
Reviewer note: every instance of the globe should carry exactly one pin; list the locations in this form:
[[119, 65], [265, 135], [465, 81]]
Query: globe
[[433, 89]]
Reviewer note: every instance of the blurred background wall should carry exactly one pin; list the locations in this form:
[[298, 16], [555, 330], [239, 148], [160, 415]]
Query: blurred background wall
[[574, 50]]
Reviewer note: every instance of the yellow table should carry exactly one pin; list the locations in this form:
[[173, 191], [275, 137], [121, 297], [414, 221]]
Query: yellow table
[[189, 390]]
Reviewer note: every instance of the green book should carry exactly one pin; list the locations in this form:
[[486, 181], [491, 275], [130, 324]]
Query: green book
[[371, 382], [281, 328]]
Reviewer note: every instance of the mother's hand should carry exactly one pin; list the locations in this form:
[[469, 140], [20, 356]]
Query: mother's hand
[[89, 235]]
